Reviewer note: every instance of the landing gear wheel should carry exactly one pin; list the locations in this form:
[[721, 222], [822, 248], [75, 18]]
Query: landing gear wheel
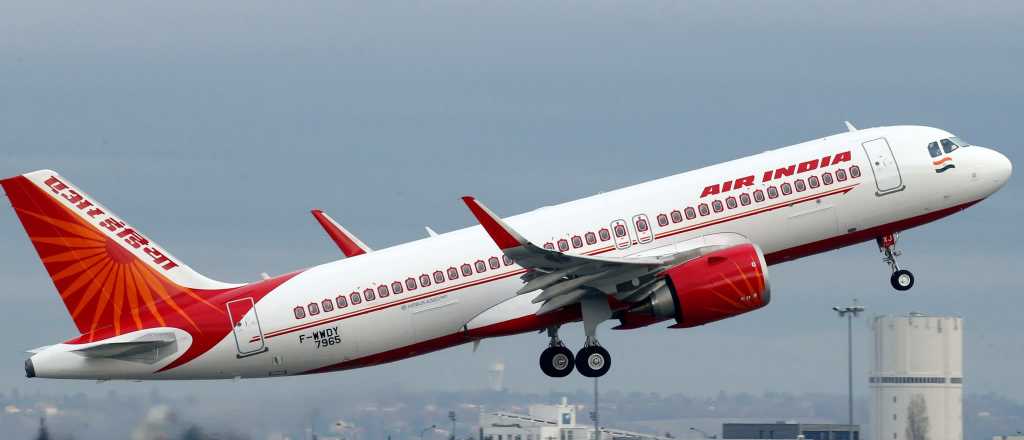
[[556, 361], [902, 280], [593, 361]]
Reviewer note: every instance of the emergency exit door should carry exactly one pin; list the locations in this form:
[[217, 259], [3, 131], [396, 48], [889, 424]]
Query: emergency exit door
[[246, 327], [883, 164]]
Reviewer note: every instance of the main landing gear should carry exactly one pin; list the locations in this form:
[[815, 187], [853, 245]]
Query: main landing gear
[[592, 360], [901, 279], [557, 361]]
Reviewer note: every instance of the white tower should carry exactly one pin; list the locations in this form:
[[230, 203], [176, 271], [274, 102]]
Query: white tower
[[917, 378], [496, 375]]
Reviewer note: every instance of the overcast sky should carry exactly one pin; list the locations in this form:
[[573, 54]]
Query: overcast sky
[[215, 126]]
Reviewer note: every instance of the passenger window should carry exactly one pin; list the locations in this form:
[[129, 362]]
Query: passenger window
[[690, 213], [453, 273], [563, 245], [662, 220], [677, 216], [299, 312], [855, 171], [773, 192], [933, 149], [827, 178], [467, 270], [590, 237], [424, 280], [480, 266], [840, 175], [410, 284], [438, 276], [327, 305], [341, 301], [800, 185], [369, 295], [396, 287], [758, 196], [604, 234], [641, 224], [577, 241], [505, 259], [813, 182], [549, 246], [787, 189], [948, 146], [314, 309], [620, 231], [354, 298], [493, 262], [744, 199], [703, 208], [730, 202], [382, 291]]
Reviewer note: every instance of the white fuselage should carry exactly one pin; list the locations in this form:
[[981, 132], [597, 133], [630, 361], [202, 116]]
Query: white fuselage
[[885, 197]]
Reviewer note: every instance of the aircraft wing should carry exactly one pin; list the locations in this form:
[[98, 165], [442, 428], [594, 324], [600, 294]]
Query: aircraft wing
[[566, 278]]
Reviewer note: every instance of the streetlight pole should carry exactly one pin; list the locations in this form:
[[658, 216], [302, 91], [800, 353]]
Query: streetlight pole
[[849, 312], [594, 415]]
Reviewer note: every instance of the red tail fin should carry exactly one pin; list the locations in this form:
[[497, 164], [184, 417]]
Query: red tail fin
[[109, 275]]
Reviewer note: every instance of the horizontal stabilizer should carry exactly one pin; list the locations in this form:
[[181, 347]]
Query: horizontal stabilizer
[[149, 349]]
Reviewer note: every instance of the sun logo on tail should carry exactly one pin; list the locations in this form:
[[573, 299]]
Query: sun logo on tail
[[107, 289]]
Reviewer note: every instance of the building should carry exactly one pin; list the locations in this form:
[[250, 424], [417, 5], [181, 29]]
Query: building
[[1008, 437], [790, 430], [917, 378], [548, 422]]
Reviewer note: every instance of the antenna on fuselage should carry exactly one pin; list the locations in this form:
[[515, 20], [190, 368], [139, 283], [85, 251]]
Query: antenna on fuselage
[[849, 126]]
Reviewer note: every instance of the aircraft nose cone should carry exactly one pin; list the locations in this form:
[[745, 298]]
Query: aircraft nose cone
[[1002, 168]]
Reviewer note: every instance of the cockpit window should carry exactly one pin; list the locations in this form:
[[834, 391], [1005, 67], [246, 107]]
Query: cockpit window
[[959, 142], [933, 149], [948, 146]]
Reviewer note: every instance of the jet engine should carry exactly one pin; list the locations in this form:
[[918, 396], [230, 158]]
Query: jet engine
[[715, 286]]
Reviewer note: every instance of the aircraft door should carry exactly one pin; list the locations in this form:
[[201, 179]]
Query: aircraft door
[[246, 327], [621, 233], [884, 167], [644, 234]]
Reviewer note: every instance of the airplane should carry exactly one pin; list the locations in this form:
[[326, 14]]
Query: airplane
[[689, 249]]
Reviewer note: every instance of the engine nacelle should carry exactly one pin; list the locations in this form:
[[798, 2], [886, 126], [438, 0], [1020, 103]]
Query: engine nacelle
[[718, 285]]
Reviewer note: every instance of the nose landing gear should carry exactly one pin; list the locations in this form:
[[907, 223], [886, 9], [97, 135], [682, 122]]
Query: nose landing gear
[[901, 279]]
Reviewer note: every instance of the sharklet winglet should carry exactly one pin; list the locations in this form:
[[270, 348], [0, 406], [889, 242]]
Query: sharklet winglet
[[504, 236], [349, 244]]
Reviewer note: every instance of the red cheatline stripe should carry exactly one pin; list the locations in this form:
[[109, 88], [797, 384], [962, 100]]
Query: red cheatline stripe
[[756, 211], [521, 271], [942, 161]]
